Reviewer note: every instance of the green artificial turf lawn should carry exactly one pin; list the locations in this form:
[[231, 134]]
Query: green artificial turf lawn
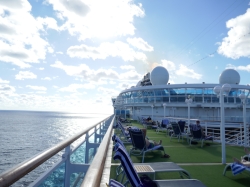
[[194, 159]]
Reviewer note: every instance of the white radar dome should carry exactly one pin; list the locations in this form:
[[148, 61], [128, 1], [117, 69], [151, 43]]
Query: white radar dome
[[159, 75], [229, 76]]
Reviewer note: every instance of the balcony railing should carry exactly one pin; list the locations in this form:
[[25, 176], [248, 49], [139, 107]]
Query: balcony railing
[[71, 168]]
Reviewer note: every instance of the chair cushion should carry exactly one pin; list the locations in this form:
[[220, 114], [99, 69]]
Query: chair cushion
[[113, 183], [128, 166]]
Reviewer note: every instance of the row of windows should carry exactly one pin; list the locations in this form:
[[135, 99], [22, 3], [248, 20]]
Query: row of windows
[[184, 92], [181, 99]]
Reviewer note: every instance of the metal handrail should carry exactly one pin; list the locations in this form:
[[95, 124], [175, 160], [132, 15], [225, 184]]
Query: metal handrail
[[94, 174], [17, 172]]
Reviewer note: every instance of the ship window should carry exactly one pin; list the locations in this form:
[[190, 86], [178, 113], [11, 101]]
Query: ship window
[[165, 92], [173, 91], [199, 91], [158, 92], [198, 99], [209, 91], [134, 94], [190, 91], [181, 91]]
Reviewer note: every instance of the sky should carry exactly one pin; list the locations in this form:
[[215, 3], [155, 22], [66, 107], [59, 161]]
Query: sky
[[75, 55]]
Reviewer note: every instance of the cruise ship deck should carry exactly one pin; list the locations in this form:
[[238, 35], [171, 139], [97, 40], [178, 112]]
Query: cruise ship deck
[[204, 164]]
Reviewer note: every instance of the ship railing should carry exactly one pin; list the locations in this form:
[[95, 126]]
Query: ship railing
[[236, 119], [234, 132], [73, 162]]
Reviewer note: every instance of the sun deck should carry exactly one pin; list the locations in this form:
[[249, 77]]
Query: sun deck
[[203, 164]]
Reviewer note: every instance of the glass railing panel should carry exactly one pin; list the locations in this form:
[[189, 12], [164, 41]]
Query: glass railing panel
[[79, 155], [207, 99], [151, 99], [158, 99], [165, 99], [76, 179], [215, 99], [173, 99], [197, 99], [181, 99], [56, 177]]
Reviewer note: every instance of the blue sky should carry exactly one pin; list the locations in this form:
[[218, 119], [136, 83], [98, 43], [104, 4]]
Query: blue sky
[[74, 55]]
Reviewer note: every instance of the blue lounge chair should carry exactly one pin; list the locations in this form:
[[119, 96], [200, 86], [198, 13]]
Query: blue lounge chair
[[114, 183], [176, 131], [139, 144], [197, 135], [134, 180], [124, 135], [236, 168], [155, 167]]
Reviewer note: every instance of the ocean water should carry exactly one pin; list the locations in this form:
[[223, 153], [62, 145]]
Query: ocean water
[[24, 134]]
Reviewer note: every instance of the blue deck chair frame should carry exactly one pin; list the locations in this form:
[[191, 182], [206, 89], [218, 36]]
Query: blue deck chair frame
[[139, 144], [156, 166], [123, 134], [236, 168], [197, 135], [160, 127], [176, 131], [134, 180]]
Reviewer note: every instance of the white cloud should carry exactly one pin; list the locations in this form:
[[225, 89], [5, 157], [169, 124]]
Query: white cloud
[[112, 82], [86, 73], [140, 44], [106, 49], [130, 75], [236, 44], [20, 39], [59, 52], [86, 20], [128, 67], [6, 89], [46, 78], [169, 65], [4, 81], [124, 85], [107, 91], [38, 88], [25, 75], [185, 71], [241, 68], [75, 87]]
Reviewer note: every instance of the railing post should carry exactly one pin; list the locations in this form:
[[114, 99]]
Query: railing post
[[67, 166], [87, 148], [241, 140], [206, 128]]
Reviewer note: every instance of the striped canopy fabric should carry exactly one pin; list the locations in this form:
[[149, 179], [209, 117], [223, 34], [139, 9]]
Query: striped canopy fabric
[[132, 176]]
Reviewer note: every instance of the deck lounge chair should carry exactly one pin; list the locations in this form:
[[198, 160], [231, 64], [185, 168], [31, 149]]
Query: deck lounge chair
[[182, 126], [236, 168], [139, 144], [197, 135], [160, 127], [134, 180], [154, 167], [176, 131], [124, 135], [114, 183], [246, 157]]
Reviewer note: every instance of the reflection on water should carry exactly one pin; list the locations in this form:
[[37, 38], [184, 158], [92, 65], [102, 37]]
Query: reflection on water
[[24, 134]]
